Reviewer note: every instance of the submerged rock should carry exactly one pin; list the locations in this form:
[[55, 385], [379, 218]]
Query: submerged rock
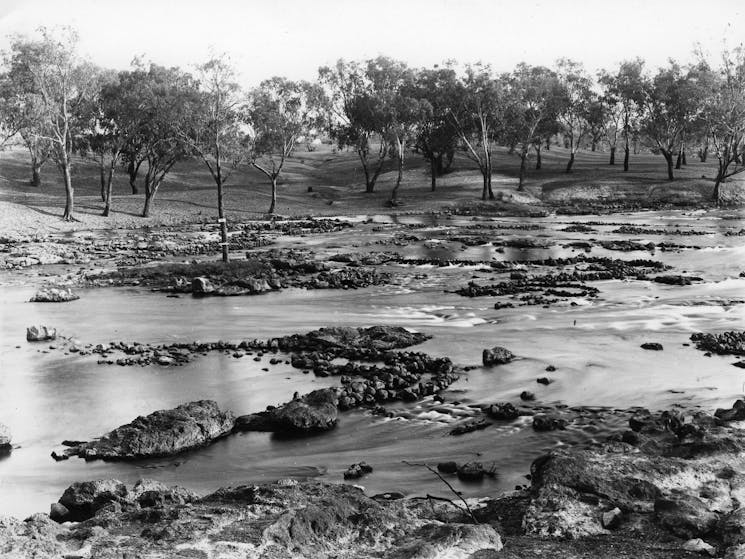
[[54, 294], [496, 356], [40, 333], [161, 433]]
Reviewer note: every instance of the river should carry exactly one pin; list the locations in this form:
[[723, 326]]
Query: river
[[47, 396]]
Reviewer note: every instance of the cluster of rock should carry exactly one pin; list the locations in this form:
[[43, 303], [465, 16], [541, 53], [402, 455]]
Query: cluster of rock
[[286, 519], [162, 433], [725, 343], [356, 471], [635, 230], [259, 273], [468, 471]]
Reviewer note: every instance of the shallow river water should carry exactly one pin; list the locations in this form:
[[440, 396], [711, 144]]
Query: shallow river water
[[47, 396]]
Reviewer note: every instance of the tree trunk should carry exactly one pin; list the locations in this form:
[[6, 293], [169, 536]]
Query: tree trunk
[[274, 195], [394, 193], [150, 191], [69, 192], [538, 160], [594, 145], [132, 170], [433, 168], [107, 199], [439, 165], [716, 195], [704, 153], [683, 157], [223, 222], [570, 163], [102, 177], [679, 160], [523, 159], [669, 159], [35, 172], [612, 156], [626, 156], [548, 144]]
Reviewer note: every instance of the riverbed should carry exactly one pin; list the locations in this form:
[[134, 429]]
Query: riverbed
[[47, 395]]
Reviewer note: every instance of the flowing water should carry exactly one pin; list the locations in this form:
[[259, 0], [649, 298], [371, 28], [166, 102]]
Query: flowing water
[[47, 396]]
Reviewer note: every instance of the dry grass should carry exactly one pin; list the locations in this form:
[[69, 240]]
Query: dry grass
[[188, 194]]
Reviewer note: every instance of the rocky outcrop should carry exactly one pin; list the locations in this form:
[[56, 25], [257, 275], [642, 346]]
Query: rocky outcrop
[[377, 338], [40, 333], [162, 433], [681, 474], [54, 294], [286, 519], [496, 356], [312, 413], [726, 343]]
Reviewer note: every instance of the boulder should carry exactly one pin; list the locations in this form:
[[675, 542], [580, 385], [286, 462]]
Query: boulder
[[40, 333], [503, 411], [685, 515], [54, 294], [356, 471], [162, 433], [471, 471], [201, 286], [83, 499], [543, 422], [700, 546], [496, 356], [653, 346], [611, 519], [316, 411]]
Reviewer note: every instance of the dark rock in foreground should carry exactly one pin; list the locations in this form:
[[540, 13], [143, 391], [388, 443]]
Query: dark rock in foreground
[[283, 520], [496, 356], [40, 333], [162, 433], [53, 294]]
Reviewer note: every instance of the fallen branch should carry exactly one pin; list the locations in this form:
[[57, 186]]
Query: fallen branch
[[449, 486]]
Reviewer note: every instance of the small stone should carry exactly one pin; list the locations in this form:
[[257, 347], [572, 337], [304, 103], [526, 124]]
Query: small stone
[[611, 519], [653, 346], [527, 396], [544, 380], [700, 546]]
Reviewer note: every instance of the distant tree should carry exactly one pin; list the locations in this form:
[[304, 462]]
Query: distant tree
[[478, 119], [360, 95], [159, 104], [23, 117], [597, 119], [670, 102], [64, 83], [725, 109], [613, 111], [532, 106], [575, 104], [280, 113], [215, 130], [626, 88], [437, 137]]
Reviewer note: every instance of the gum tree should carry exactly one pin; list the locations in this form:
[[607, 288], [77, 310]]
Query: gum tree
[[64, 83], [215, 130], [575, 101], [280, 112]]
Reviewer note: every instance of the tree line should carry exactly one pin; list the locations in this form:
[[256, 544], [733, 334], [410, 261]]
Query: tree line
[[144, 120]]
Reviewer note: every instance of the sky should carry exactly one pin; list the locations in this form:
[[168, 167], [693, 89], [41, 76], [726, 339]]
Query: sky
[[293, 38]]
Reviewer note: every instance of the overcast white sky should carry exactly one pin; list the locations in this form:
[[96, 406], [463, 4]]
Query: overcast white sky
[[294, 37]]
